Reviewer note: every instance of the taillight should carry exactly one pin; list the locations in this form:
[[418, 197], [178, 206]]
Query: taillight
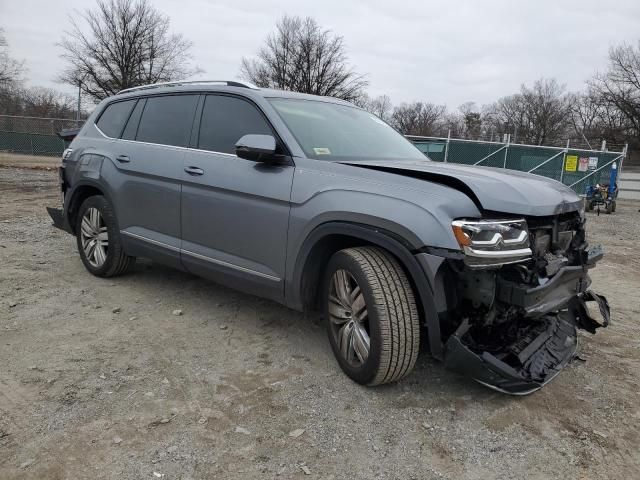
[[66, 154]]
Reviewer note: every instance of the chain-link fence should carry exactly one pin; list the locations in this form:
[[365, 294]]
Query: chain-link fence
[[33, 135], [574, 167]]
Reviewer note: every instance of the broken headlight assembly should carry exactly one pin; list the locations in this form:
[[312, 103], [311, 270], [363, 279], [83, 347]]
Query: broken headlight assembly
[[489, 243]]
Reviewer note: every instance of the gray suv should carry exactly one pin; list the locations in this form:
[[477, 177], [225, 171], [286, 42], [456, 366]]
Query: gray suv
[[320, 205]]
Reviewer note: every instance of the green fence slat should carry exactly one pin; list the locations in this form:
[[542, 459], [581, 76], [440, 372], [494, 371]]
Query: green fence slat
[[31, 143], [522, 158]]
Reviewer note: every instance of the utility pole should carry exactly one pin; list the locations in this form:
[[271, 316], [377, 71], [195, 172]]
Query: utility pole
[[78, 111], [79, 99]]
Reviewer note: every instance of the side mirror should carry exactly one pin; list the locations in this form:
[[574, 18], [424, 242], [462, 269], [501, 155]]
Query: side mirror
[[257, 148]]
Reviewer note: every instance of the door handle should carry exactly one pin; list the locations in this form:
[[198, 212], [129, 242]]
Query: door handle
[[194, 171], [123, 159]]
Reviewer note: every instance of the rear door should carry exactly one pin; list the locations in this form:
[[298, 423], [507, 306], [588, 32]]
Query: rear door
[[235, 212], [149, 157]]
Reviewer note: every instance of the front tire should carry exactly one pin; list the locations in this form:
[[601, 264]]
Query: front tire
[[588, 206], [371, 315], [99, 243]]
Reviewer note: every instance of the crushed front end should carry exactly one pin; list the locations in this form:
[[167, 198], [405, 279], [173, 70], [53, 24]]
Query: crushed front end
[[516, 298]]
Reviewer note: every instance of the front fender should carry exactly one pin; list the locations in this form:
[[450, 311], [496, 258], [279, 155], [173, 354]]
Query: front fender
[[418, 225]]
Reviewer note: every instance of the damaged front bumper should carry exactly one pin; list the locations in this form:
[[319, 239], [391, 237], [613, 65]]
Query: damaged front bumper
[[540, 351], [515, 337], [57, 215], [59, 219]]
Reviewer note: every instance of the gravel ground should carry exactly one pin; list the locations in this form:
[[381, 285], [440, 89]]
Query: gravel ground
[[29, 161], [102, 379]]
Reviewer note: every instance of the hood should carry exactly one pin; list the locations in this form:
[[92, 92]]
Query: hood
[[492, 189]]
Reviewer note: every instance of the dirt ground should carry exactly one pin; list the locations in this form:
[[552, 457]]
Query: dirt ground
[[29, 161], [99, 379]]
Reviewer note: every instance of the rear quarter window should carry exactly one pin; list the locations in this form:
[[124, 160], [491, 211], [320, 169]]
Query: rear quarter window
[[112, 120]]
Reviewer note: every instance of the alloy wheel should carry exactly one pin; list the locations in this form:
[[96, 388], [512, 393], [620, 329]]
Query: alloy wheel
[[349, 318], [94, 237]]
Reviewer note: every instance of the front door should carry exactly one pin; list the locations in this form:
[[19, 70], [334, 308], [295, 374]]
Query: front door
[[235, 212]]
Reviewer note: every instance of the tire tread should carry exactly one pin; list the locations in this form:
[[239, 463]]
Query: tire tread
[[121, 262], [396, 307]]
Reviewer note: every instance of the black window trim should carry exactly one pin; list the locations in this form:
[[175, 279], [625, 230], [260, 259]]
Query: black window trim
[[172, 94], [95, 123], [142, 100], [200, 112], [194, 137]]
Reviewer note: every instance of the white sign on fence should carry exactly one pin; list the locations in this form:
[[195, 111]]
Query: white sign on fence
[[593, 163], [584, 164]]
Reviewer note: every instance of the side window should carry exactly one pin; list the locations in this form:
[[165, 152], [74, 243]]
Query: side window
[[131, 128], [112, 120], [167, 120], [225, 120]]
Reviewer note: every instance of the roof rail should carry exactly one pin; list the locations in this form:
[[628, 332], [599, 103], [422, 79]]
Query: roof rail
[[177, 83]]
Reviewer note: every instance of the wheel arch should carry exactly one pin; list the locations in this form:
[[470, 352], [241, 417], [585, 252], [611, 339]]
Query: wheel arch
[[80, 193], [303, 290]]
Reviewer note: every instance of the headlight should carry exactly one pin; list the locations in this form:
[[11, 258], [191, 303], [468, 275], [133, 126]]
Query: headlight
[[492, 242]]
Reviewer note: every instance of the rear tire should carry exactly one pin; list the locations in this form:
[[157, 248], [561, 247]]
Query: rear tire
[[608, 208], [369, 302], [98, 238]]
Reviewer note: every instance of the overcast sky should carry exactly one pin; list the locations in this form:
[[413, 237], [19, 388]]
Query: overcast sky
[[438, 51]]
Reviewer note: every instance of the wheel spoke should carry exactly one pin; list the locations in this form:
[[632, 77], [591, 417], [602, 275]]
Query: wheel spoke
[[347, 312], [354, 293], [338, 313], [103, 237], [94, 218], [343, 287], [86, 227], [344, 340], [89, 249], [360, 342], [99, 254], [358, 306], [94, 255]]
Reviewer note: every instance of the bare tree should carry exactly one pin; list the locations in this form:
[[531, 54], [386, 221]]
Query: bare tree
[[124, 43], [418, 118], [11, 70], [537, 115], [382, 107], [37, 102], [471, 119], [47, 102], [585, 114], [363, 101], [619, 87], [594, 119], [302, 57]]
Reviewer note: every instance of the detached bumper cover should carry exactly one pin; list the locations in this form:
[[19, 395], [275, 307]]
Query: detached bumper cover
[[59, 219], [57, 214], [541, 351]]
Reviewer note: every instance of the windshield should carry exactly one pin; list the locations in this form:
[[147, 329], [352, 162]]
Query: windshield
[[328, 131]]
